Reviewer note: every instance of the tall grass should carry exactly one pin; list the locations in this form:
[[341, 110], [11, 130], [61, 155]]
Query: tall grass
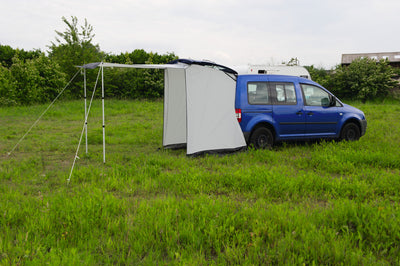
[[300, 203]]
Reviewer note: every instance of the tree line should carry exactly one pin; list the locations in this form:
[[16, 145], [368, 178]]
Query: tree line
[[30, 77]]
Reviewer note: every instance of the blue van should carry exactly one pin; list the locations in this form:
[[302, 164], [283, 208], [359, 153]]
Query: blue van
[[273, 108]]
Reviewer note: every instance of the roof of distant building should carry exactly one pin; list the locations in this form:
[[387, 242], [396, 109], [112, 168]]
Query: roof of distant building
[[392, 57]]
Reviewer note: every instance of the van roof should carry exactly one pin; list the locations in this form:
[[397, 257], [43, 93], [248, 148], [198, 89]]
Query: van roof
[[282, 78]]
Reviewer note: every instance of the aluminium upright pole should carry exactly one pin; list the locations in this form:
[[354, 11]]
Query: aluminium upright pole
[[104, 125], [84, 90]]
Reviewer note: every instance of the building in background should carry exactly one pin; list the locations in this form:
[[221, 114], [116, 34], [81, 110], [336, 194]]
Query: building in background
[[392, 57]]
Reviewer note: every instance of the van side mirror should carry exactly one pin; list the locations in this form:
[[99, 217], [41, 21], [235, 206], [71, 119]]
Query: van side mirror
[[325, 102], [332, 101]]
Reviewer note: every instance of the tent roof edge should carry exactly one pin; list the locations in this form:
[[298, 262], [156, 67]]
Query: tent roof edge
[[150, 66]]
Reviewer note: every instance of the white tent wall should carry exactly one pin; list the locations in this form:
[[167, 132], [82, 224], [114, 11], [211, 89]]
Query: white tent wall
[[174, 133], [211, 119]]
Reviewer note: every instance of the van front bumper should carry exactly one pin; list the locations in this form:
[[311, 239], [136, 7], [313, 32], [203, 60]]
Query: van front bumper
[[363, 127]]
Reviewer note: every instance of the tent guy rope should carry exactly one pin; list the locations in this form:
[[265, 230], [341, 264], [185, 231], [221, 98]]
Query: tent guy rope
[[34, 124]]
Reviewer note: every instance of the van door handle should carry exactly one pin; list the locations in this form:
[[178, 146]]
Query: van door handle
[[310, 113], [299, 113]]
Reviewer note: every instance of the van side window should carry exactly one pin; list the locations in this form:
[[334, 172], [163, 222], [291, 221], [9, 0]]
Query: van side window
[[314, 96], [258, 93], [283, 93]]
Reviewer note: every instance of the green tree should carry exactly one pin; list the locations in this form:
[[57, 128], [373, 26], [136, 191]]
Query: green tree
[[136, 83], [321, 76], [364, 79], [36, 80], [153, 79], [7, 53], [74, 47], [7, 87], [292, 62]]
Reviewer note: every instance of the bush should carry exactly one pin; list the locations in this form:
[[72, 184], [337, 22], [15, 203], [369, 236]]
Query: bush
[[7, 53], [136, 83], [364, 79], [35, 81], [7, 88], [321, 76]]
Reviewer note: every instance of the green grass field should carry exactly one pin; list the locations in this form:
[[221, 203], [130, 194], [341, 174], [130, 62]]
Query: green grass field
[[300, 203]]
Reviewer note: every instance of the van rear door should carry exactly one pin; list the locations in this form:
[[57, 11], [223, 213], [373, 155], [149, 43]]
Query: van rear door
[[287, 109]]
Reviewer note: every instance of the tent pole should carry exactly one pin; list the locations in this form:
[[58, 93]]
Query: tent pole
[[84, 89], [104, 126]]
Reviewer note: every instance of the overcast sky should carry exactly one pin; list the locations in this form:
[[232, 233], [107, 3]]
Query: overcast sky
[[232, 33]]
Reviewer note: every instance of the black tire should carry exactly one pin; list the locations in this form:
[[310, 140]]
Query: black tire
[[262, 138], [350, 132]]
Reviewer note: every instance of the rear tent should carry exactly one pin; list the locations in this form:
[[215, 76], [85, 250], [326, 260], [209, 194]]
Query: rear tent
[[199, 106]]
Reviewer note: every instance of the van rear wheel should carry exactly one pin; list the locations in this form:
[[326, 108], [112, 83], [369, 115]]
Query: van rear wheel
[[262, 138]]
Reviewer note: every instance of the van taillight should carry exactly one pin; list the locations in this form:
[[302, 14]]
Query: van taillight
[[238, 114]]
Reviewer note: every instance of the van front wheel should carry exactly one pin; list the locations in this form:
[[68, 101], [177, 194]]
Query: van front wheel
[[350, 132], [262, 138]]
